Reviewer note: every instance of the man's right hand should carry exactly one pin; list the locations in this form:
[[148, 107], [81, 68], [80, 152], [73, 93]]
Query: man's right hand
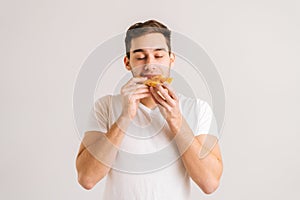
[[132, 92]]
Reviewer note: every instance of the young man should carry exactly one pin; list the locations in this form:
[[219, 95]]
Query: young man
[[143, 120]]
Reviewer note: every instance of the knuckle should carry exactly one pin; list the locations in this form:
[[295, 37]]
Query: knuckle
[[122, 90], [131, 98], [173, 104]]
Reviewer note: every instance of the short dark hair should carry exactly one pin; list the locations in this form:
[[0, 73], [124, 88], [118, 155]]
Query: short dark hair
[[143, 28]]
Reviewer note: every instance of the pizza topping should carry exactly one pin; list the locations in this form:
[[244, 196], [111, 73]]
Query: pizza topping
[[159, 79]]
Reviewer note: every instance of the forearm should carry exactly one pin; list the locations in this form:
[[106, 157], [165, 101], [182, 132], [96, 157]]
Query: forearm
[[205, 172], [199, 159], [99, 154]]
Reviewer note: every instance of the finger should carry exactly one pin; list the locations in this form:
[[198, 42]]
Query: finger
[[127, 85], [151, 88], [138, 79], [159, 99], [140, 96], [134, 81], [135, 90], [142, 86], [171, 90], [141, 90], [132, 88], [165, 94]]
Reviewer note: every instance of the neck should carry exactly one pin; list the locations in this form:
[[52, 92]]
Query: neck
[[148, 102]]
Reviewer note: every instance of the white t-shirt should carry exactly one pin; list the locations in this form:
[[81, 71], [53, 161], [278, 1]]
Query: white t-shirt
[[148, 166]]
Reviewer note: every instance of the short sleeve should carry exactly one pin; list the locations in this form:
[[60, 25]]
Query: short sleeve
[[206, 120], [99, 116]]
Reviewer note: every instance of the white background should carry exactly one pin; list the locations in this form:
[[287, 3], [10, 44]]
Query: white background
[[254, 44]]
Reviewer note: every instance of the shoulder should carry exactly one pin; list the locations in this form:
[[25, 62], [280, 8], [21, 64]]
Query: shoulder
[[105, 103], [199, 115], [108, 99]]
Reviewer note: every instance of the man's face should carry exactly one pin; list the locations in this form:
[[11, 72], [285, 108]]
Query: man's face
[[149, 56]]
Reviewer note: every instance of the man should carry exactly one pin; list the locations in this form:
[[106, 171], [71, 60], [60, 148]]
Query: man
[[143, 120]]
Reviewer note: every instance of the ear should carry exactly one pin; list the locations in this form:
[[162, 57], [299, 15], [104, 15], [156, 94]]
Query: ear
[[172, 59], [126, 63]]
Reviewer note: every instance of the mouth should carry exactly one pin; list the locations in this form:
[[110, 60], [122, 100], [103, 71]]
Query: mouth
[[149, 76]]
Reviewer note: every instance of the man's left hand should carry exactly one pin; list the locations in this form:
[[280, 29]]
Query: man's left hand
[[168, 104]]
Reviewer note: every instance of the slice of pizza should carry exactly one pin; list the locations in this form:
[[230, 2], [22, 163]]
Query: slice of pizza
[[159, 79]]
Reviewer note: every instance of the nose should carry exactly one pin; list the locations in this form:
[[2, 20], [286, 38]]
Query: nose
[[150, 64], [150, 59], [150, 67]]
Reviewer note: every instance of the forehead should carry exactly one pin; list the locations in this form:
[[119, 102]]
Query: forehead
[[151, 41]]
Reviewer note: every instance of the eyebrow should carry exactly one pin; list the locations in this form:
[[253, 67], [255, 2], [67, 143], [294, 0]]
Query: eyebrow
[[142, 50]]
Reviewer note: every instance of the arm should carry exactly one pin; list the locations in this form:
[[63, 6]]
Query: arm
[[202, 162], [202, 159], [96, 155], [98, 151]]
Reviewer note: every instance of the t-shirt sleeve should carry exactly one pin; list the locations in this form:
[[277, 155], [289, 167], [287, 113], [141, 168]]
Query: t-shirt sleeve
[[99, 116], [206, 120]]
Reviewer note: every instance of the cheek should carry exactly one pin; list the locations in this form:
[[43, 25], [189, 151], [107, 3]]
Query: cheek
[[167, 62], [137, 71], [166, 67]]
